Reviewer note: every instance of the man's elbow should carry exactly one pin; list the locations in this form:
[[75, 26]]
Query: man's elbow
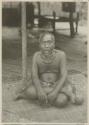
[[35, 79], [64, 75]]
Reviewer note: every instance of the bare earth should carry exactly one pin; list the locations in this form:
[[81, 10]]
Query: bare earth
[[28, 111]]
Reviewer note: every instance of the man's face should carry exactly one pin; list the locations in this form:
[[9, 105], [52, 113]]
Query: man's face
[[47, 44]]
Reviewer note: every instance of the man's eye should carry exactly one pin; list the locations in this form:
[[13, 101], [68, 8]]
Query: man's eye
[[44, 42], [50, 41]]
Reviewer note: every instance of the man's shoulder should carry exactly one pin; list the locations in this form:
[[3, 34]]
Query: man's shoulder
[[60, 53], [36, 54]]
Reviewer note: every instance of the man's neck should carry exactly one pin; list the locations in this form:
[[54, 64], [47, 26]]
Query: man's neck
[[48, 58], [48, 54]]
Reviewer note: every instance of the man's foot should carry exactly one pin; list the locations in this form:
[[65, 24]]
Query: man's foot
[[19, 97], [77, 100]]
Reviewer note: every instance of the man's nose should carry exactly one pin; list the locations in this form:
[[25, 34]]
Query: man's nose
[[46, 45]]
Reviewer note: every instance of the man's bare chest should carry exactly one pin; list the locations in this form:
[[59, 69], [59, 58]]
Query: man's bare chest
[[54, 66]]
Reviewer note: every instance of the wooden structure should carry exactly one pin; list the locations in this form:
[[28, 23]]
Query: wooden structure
[[46, 12], [11, 13], [59, 12]]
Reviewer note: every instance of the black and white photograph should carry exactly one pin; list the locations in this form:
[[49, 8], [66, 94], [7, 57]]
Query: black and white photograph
[[44, 62]]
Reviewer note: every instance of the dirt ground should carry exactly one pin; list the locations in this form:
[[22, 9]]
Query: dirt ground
[[28, 111]]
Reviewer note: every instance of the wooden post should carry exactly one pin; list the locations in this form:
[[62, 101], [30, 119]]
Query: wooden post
[[54, 16], [77, 20], [71, 19], [39, 13], [71, 24], [24, 42]]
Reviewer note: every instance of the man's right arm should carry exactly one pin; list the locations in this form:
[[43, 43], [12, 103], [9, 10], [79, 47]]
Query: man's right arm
[[35, 77], [36, 81]]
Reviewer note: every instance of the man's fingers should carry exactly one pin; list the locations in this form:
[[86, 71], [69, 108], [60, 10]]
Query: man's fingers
[[46, 101], [43, 99]]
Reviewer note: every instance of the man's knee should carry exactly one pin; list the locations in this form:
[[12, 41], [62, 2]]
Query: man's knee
[[31, 92], [62, 100]]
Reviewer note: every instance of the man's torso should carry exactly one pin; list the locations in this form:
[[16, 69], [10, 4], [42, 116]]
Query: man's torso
[[49, 72]]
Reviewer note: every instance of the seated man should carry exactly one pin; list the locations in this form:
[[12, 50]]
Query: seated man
[[49, 75]]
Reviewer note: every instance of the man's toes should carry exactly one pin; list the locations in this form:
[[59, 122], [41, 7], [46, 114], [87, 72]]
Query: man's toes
[[79, 100]]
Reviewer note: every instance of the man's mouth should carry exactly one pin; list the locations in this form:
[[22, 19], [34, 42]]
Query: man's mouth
[[46, 51]]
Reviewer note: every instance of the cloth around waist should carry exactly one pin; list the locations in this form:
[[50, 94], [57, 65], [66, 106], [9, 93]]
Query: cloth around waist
[[49, 71]]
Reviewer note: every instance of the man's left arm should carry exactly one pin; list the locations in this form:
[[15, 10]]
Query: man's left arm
[[63, 74]]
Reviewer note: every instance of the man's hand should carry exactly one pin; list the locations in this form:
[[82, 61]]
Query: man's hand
[[42, 96], [52, 96]]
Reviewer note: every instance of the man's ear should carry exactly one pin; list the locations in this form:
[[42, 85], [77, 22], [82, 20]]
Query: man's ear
[[54, 45]]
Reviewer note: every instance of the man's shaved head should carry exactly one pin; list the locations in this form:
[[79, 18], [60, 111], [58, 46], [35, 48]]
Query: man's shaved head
[[47, 34]]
